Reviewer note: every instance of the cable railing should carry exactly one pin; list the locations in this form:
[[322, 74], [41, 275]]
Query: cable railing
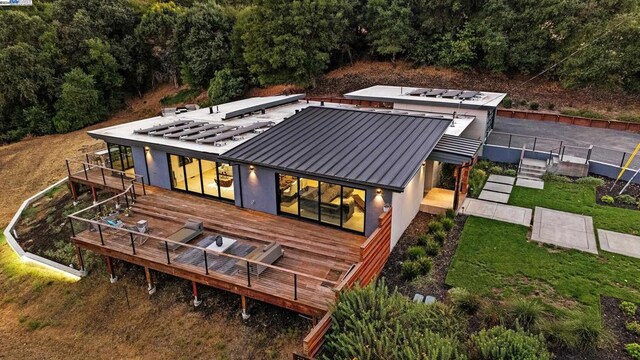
[[100, 174], [149, 246]]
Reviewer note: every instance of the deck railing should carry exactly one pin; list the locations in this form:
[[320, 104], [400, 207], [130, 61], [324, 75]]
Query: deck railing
[[85, 169], [131, 236]]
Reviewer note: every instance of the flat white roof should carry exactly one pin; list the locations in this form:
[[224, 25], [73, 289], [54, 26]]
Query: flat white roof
[[277, 109], [400, 94]]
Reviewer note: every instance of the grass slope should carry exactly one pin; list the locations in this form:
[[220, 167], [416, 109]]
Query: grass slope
[[495, 257]]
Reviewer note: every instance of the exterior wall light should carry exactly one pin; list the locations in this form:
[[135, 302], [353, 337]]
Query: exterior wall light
[[147, 149], [424, 163], [379, 191], [251, 167]]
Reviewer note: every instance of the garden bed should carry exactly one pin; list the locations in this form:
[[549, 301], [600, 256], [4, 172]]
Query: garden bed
[[605, 190]]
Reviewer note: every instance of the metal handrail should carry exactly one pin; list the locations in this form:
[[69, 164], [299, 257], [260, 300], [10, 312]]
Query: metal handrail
[[75, 216], [87, 166]]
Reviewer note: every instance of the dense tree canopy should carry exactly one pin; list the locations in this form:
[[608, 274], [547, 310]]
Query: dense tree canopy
[[61, 52]]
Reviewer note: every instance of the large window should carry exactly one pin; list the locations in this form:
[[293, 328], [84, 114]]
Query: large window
[[321, 201], [121, 158], [204, 177]]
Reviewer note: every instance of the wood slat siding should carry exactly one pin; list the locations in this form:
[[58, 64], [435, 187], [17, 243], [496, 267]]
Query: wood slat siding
[[373, 255], [573, 120]]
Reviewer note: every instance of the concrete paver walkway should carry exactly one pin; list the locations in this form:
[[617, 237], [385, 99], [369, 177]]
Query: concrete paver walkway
[[564, 230], [497, 189], [495, 211], [619, 243], [501, 179], [530, 183]]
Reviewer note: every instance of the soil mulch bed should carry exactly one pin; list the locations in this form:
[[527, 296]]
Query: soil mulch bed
[[435, 286], [632, 189], [614, 321]]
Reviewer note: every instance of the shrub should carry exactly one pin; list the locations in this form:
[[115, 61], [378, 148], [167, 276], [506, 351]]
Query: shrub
[[526, 313], [432, 247], [534, 106], [435, 226], [448, 224], [424, 239], [581, 332], [510, 172], [634, 327], [424, 265], [628, 308], [477, 177], [606, 199], [590, 180], [507, 102], [464, 301], [495, 170], [633, 350], [440, 236], [629, 117], [450, 213], [523, 102], [500, 343], [225, 86], [582, 113], [626, 199], [416, 252], [556, 178], [410, 270], [551, 106], [483, 165], [493, 314]]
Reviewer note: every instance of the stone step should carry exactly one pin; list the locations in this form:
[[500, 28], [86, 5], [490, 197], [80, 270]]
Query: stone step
[[534, 163], [533, 169], [535, 175], [527, 177]]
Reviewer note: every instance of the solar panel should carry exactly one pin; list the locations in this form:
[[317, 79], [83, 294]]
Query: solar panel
[[174, 129], [451, 93], [418, 92], [192, 131], [468, 95], [204, 134], [233, 133], [161, 127], [434, 92]]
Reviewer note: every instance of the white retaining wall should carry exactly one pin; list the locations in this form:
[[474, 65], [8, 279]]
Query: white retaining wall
[[27, 256]]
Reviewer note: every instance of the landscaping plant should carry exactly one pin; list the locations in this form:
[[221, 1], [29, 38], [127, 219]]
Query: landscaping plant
[[464, 301], [500, 343], [606, 199], [628, 308], [510, 172], [448, 224], [526, 313], [626, 199], [590, 180], [435, 226], [497, 170], [633, 350], [416, 252], [440, 236], [450, 213], [432, 247], [634, 327], [423, 239]]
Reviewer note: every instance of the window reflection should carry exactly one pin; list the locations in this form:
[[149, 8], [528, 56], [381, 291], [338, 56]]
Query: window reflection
[[201, 176], [309, 198], [288, 186]]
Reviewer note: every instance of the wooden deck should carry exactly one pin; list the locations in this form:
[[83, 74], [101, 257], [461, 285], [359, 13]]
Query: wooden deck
[[319, 256]]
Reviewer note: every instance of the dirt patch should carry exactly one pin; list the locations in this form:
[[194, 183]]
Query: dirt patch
[[286, 89], [434, 283], [544, 92], [606, 189]]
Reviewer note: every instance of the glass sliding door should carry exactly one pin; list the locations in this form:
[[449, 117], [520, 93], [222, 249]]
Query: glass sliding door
[[203, 177], [288, 186], [324, 202], [121, 158], [309, 199], [210, 177], [354, 204]]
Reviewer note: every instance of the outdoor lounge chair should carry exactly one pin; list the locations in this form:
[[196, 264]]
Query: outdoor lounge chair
[[189, 231], [268, 255]]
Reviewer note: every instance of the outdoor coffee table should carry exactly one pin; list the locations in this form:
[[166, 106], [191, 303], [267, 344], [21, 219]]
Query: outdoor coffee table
[[226, 243]]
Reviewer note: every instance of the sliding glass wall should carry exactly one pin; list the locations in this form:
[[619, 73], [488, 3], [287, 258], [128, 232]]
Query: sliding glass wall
[[121, 158], [203, 177], [321, 201]]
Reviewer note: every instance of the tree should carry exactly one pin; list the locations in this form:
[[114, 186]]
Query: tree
[[291, 41], [104, 69], [204, 31], [225, 87], [78, 105], [389, 26]]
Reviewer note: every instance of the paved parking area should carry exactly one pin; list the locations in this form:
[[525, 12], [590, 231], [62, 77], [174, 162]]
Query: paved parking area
[[619, 243], [564, 229], [495, 211]]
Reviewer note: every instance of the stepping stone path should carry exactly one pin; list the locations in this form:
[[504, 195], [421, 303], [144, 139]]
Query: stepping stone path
[[495, 211], [619, 243], [497, 189], [528, 183], [564, 229]]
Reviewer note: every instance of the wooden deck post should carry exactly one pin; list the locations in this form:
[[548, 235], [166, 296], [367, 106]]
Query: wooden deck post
[[94, 194], [196, 301], [151, 287], [72, 187], [245, 313], [112, 277]]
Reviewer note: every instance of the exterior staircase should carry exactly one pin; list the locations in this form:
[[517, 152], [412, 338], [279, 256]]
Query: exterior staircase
[[532, 169]]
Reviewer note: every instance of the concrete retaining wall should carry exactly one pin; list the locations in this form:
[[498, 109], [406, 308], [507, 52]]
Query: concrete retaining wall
[[27, 256], [504, 154]]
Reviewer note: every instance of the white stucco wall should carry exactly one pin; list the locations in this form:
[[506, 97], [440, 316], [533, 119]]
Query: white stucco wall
[[406, 205], [475, 130]]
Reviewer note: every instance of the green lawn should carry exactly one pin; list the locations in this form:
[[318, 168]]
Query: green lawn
[[578, 199], [495, 257]]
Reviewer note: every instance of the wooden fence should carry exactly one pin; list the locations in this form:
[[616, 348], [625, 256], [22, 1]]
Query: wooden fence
[[573, 120], [374, 253]]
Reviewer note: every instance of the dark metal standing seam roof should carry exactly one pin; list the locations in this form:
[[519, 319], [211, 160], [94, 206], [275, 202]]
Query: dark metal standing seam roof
[[364, 147], [455, 150]]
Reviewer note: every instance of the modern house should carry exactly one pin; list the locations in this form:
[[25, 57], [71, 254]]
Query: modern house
[[283, 199]]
